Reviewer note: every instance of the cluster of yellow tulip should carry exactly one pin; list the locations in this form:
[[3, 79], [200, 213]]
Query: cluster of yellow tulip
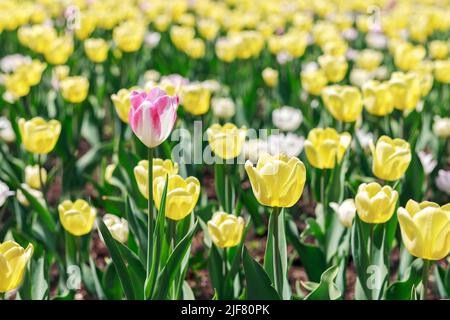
[[149, 126]]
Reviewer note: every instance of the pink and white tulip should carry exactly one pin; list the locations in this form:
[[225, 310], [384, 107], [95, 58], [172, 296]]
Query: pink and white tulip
[[152, 115]]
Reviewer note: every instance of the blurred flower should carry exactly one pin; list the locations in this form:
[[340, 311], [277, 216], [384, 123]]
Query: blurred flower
[[443, 181], [223, 108], [287, 118], [425, 229], [270, 77], [406, 90], [32, 177], [438, 49], [74, 89], [335, 68], [441, 127], [358, 77], [208, 28], [161, 168], [277, 181], [326, 147], [376, 40], [129, 35], [343, 102], [427, 161], [254, 148], [122, 104], [195, 49], [391, 158], [408, 56], [181, 36], [226, 230], [118, 227], [378, 99], [226, 141], [195, 98], [37, 194], [173, 84], [6, 131], [369, 59], [4, 193], [96, 49], [345, 211], [374, 203], [364, 138], [182, 195], [87, 24], [10, 63], [109, 171], [152, 39], [14, 260], [290, 144], [152, 116], [59, 50], [77, 217], [38, 135], [442, 71], [313, 81]]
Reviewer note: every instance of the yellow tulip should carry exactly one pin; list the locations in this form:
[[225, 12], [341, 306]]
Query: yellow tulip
[[377, 97], [109, 171], [31, 73], [16, 84], [77, 217], [195, 49], [334, 68], [408, 56], [343, 102], [162, 22], [391, 158], [226, 230], [39, 136], [87, 24], [129, 36], [313, 81], [208, 28], [226, 141], [74, 89], [122, 104], [181, 36], [425, 229], [442, 71], [118, 227], [369, 59], [161, 168], [406, 90], [270, 77], [59, 50], [13, 262], [335, 47], [226, 49], [32, 177], [60, 72], [326, 147], [96, 49], [374, 203], [182, 195], [196, 99], [438, 49], [277, 181]]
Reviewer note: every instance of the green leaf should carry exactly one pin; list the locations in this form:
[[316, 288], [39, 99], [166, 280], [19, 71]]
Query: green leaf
[[117, 259], [42, 211], [326, 289], [259, 286], [215, 270], [401, 290], [39, 281]]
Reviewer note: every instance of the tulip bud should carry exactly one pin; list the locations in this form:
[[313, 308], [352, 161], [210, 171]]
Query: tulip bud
[[378, 98], [182, 195], [129, 35], [39, 136], [425, 229], [32, 177], [443, 181], [391, 158], [442, 71], [109, 170], [226, 141], [287, 118], [326, 147], [195, 99], [226, 230], [335, 68], [277, 181], [313, 81], [438, 49], [161, 168], [13, 263], [118, 227], [122, 104], [74, 89], [270, 77], [96, 49], [369, 59], [343, 102], [77, 217], [223, 108], [441, 127], [374, 203], [406, 90], [407, 56], [345, 211], [59, 50], [152, 116]]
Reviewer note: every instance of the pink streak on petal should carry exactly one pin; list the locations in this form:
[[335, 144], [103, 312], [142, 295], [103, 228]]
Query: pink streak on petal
[[156, 121], [136, 98]]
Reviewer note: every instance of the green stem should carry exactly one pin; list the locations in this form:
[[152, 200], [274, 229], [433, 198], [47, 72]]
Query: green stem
[[372, 228], [41, 178], [225, 263], [425, 273], [276, 252], [2, 296], [150, 211]]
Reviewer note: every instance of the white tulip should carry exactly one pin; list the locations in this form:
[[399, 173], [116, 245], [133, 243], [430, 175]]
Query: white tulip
[[118, 227], [346, 211], [4, 193], [290, 144], [6, 131], [253, 148], [443, 181], [428, 163], [287, 118], [223, 108], [441, 127]]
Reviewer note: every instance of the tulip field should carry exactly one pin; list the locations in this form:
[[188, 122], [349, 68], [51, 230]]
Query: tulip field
[[224, 150]]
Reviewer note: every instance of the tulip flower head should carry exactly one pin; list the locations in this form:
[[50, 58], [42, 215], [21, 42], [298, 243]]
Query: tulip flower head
[[343, 102], [226, 230], [374, 203], [425, 229], [161, 168], [326, 147], [152, 116], [270, 77], [13, 262], [378, 98], [118, 227], [391, 158], [38, 135], [33, 178], [287, 118], [196, 98], [182, 195], [277, 181], [77, 217], [226, 141], [74, 89], [122, 104], [345, 211]]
